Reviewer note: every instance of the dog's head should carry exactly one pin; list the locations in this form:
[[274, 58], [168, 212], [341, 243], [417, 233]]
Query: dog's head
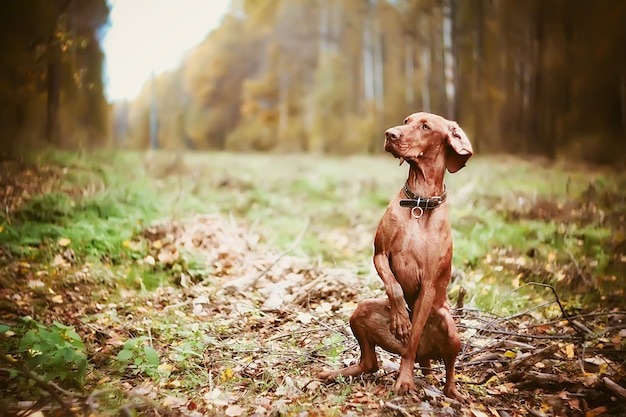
[[424, 136]]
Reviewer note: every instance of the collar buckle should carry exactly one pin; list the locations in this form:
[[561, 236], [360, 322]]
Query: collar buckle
[[419, 204]]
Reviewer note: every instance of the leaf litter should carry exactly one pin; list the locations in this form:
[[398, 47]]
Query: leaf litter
[[260, 325]]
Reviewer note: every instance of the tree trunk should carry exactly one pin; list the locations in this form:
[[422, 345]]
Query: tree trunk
[[425, 63], [409, 73], [448, 60], [623, 93], [54, 91], [544, 88], [283, 103], [478, 55], [379, 71], [368, 62], [154, 119]]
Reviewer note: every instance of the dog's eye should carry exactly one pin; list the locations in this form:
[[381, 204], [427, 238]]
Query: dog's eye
[[406, 121], [425, 127]]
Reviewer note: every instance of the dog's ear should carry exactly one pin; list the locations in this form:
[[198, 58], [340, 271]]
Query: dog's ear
[[459, 149]]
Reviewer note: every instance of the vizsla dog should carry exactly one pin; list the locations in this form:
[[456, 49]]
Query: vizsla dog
[[413, 256]]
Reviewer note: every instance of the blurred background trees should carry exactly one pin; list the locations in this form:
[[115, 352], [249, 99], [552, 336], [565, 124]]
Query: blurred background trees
[[51, 80], [543, 77], [536, 76]]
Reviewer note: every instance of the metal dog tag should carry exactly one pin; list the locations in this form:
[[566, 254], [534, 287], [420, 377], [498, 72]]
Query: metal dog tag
[[417, 216]]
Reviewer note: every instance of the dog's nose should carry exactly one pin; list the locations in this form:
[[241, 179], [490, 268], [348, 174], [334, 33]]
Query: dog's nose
[[391, 134]]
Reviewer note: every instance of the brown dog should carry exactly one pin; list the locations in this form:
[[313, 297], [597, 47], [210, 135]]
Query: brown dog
[[413, 256]]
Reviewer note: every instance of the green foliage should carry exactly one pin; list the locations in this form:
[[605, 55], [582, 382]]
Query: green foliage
[[138, 357], [522, 228], [95, 212], [54, 352], [332, 347], [144, 278], [46, 208]]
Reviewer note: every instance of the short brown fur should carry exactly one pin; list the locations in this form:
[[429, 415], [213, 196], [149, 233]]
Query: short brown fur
[[413, 258]]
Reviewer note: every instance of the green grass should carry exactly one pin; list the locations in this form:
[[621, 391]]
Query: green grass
[[100, 201]]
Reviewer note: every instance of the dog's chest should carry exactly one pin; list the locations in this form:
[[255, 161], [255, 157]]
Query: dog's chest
[[419, 247]]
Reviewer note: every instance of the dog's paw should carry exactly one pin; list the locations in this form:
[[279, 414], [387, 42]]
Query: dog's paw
[[403, 389], [400, 327], [328, 375], [452, 392], [404, 386]]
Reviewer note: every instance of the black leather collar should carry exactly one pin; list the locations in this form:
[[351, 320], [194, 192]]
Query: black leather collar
[[425, 203]]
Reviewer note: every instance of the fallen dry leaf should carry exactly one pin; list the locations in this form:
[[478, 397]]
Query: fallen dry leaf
[[35, 284], [478, 413], [304, 317], [235, 410]]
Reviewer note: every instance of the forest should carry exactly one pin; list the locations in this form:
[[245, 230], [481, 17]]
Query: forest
[[199, 250], [533, 77]]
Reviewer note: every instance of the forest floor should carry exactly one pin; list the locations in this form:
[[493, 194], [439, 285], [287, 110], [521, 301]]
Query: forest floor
[[165, 284]]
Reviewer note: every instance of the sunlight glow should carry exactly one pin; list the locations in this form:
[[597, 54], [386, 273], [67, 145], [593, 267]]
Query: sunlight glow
[[148, 36]]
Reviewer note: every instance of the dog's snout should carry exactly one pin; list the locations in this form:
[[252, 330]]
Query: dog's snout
[[391, 134]]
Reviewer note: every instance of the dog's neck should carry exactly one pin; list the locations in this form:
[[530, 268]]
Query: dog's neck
[[426, 180]]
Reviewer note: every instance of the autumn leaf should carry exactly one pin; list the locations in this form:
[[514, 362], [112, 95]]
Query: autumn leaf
[[149, 260], [171, 401], [216, 397], [165, 367], [36, 284], [235, 410], [510, 354], [59, 261], [227, 374], [168, 257], [478, 413], [304, 317]]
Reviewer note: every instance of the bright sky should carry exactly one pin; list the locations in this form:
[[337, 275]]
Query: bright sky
[[153, 35]]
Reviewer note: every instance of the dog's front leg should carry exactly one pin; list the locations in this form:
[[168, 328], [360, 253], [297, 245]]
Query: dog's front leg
[[399, 321], [421, 311]]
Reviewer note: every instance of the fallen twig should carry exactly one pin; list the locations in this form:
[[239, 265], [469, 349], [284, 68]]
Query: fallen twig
[[536, 378], [50, 387], [614, 387], [532, 359], [580, 327], [398, 409], [579, 271], [91, 403], [127, 408], [520, 335], [292, 333]]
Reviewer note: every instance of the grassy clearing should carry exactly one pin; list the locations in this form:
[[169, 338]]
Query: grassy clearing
[[78, 226]]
